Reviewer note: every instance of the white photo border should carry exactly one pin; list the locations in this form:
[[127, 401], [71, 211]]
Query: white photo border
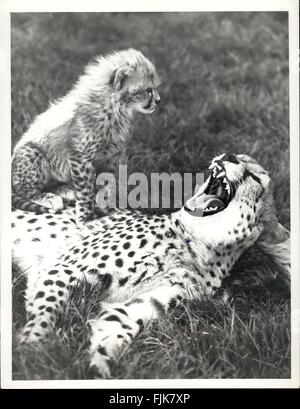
[[11, 6]]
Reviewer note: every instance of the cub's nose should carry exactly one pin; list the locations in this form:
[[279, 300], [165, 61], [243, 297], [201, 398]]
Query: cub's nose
[[230, 157], [156, 97]]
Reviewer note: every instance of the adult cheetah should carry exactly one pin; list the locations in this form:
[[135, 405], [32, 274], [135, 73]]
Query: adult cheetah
[[145, 264]]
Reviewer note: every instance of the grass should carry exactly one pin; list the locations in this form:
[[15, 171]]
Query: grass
[[225, 88]]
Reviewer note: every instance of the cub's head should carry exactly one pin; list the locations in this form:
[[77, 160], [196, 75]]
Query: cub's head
[[134, 81], [235, 205]]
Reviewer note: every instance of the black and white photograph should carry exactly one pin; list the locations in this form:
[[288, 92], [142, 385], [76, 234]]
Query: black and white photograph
[[150, 196]]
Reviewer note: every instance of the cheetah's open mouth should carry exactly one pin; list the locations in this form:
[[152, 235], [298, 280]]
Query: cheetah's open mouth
[[213, 196]]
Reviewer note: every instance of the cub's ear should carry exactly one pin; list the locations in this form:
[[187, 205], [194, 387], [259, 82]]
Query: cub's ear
[[119, 77]]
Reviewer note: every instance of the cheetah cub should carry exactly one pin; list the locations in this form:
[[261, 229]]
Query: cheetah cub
[[59, 148]]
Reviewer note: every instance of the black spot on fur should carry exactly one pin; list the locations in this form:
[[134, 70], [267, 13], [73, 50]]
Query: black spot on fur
[[93, 271], [40, 294], [123, 281], [101, 350], [48, 282], [120, 310], [140, 278], [51, 298], [101, 265], [119, 262], [143, 243], [112, 318], [106, 280]]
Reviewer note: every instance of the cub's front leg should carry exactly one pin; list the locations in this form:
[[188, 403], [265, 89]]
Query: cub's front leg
[[84, 181], [119, 323]]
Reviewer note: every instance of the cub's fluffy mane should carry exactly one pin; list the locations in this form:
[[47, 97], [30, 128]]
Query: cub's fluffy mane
[[98, 75]]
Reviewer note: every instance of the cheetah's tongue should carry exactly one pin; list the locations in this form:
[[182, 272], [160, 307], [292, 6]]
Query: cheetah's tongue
[[206, 203]]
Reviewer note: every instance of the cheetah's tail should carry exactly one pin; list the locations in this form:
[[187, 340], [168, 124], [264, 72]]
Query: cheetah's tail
[[21, 203]]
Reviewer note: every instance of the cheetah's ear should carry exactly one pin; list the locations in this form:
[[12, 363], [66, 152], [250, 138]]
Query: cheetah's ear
[[274, 233], [119, 77], [196, 188], [280, 233]]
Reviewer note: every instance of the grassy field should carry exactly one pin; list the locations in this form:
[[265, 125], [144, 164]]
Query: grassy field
[[225, 88]]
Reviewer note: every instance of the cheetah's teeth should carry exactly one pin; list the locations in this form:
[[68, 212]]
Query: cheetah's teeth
[[211, 209], [220, 175]]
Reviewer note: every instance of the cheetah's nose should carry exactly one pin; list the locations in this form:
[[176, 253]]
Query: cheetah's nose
[[157, 101]]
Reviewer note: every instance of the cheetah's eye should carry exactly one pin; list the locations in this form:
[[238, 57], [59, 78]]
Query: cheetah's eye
[[150, 91]]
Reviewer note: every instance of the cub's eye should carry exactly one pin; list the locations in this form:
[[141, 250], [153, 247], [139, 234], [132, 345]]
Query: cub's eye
[[150, 91]]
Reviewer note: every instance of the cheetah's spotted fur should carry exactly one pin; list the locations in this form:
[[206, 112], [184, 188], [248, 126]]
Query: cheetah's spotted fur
[[145, 264]]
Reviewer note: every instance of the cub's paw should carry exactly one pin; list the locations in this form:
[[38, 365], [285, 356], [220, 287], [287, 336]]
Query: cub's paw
[[100, 212], [85, 225], [88, 224], [52, 201], [68, 195]]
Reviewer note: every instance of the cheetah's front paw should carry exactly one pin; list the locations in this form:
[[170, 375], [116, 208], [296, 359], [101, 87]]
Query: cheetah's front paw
[[100, 366], [29, 336]]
